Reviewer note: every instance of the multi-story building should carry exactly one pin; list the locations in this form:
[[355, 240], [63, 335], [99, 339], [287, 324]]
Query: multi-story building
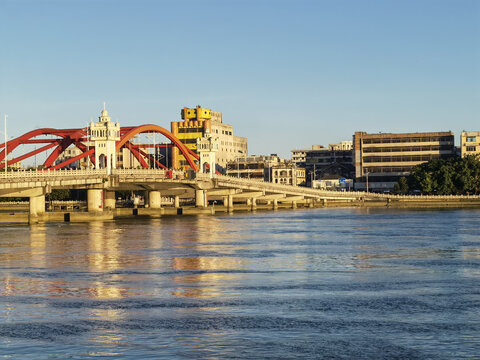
[[382, 159], [299, 156], [71, 152], [252, 167], [199, 122], [336, 160], [320, 161], [342, 145], [470, 143], [283, 173], [270, 168], [301, 176]]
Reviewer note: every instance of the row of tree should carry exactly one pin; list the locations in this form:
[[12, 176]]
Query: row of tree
[[453, 176]]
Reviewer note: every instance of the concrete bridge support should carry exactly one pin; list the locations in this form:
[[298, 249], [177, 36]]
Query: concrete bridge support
[[230, 203], [294, 204], [200, 198], [253, 202], [37, 209], [154, 199], [275, 204], [110, 200], [95, 200], [177, 201], [311, 203]]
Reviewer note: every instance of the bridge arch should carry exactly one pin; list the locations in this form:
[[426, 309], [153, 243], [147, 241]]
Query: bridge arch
[[133, 131], [78, 137], [65, 137]]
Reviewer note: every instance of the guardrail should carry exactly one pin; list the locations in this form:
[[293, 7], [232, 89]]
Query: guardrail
[[288, 188], [358, 194], [51, 173], [180, 175]]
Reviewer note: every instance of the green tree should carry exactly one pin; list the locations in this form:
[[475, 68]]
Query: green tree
[[402, 186], [58, 194], [447, 176]]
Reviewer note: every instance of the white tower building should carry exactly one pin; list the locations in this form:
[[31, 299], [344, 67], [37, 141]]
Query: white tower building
[[104, 135], [207, 147]]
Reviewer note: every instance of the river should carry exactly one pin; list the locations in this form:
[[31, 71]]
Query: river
[[314, 283]]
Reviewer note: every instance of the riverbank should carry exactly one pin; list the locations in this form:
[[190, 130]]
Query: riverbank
[[18, 213]]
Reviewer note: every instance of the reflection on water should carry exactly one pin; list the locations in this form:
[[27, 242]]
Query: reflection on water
[[323, 283]]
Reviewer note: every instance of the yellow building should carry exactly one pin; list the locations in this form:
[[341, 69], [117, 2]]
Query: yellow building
[[470, 142], [196, 123]]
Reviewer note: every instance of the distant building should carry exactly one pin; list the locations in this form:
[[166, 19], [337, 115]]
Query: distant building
[[470, 143], [299, 156], [333, 183], [196, 124], [253, 166], [270, 168], [69, 153], [301, 176], [334, 161], [283, 173], [382, 159]]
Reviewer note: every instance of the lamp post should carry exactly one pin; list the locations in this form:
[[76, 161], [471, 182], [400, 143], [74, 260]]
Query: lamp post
[[5, 151], [367, 181], [89, 135], [154, 153]]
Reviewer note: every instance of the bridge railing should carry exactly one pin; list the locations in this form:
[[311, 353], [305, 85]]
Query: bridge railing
[[28, 174], [288, 188], [156, 173], [138, 172], [357, 194]]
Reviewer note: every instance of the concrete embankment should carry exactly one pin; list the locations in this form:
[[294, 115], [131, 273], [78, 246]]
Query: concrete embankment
[[18, 214]]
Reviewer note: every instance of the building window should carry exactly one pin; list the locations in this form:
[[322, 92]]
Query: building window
[[471, 138], [471, 148]]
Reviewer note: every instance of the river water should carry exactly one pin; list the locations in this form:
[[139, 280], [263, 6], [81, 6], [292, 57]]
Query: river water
[[316, 283]]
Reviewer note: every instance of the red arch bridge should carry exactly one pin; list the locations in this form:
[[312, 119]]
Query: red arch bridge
[[53, 142]]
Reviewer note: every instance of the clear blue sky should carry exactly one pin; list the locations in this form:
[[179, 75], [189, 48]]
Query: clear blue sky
[[286, 74]]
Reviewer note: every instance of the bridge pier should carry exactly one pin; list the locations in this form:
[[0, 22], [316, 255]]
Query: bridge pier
[[154, 199], [311, 203], [95, 200], [110, 200], [275, 204], [253, 202], [294, 204], [177, 201], [230, 203], [36, 209], [200, 198]]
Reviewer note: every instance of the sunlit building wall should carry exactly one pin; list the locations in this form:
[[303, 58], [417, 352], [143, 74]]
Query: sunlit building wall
[[196, 124], [382, 159], [470, 143]]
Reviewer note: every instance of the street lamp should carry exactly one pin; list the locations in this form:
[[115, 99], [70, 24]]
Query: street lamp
[[5, 151], [367, 181]]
